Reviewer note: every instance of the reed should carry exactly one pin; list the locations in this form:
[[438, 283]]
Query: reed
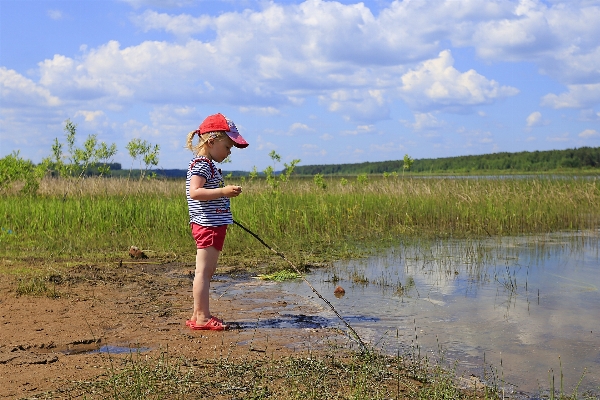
[[100, 218]]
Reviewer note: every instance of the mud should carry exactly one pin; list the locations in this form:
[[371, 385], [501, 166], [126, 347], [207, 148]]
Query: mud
[[97, 314]]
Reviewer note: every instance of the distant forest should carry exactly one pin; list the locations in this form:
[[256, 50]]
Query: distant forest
[[581, 159], [584, 158]]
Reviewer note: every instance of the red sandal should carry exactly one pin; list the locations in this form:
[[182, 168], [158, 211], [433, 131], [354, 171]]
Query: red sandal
[[213, 324]]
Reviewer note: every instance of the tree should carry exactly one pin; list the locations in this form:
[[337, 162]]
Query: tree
[[147, 153], [14, 169], [408, 162], [81, 159]]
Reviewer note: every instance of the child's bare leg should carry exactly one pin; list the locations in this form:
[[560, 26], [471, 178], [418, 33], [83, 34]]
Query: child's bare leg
[[206, 265]]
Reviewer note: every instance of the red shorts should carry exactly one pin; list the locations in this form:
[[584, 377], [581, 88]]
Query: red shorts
[[207, 236]]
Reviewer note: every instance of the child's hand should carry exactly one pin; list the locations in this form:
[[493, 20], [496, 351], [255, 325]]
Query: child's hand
[[232, 191]]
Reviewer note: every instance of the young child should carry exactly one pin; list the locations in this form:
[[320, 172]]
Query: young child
[[208, 205]]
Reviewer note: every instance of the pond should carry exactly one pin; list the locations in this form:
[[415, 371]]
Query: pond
[[517, 312]]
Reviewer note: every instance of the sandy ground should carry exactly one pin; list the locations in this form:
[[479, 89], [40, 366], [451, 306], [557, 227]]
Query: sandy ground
[[48, 343]]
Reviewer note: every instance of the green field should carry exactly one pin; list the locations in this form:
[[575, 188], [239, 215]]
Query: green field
[[98, 218]]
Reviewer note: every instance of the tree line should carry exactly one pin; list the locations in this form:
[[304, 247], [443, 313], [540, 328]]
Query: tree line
[[582, 158]]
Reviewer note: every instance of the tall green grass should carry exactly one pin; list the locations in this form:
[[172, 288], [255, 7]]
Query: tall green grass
[[103, 217]]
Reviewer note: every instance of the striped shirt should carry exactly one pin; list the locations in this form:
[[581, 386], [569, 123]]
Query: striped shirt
[[207, 212]]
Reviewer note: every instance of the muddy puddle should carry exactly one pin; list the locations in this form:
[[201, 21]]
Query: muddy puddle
[[90, 346], [517, 312]]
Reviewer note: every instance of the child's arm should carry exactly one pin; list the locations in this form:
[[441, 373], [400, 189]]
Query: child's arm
[[198, 192]]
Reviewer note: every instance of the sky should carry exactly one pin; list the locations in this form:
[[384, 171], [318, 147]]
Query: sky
[[325, 82]]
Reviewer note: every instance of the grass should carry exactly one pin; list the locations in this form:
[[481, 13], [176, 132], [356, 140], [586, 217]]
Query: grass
[[98, 219], [32, 287], [333, 374], [279, 276]]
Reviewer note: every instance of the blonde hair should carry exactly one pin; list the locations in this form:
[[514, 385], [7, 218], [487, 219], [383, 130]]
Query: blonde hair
[[203, 139]]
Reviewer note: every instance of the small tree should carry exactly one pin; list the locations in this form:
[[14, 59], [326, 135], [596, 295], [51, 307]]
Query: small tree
[[270, 177], [274, 156], [147, 153], [270, 170], [408, 162], [320, 181], [253, 174], [104, 155], [71, 131], [80, 158], [288, 170], [15, 169], [361, 178]]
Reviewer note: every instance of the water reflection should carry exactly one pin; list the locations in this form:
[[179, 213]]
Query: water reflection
[[519, 309]]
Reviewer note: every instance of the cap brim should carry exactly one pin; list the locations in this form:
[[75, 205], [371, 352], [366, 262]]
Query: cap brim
[[238, 140]]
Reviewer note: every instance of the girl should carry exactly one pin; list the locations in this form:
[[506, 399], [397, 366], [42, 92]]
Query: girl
[[208, 205]]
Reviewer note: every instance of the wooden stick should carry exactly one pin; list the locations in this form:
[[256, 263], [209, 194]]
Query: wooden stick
[[358, 339]]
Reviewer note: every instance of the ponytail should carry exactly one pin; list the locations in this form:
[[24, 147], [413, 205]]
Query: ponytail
[[189, 142], [218, 135]]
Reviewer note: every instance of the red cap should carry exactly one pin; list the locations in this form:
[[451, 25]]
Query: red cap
[[219, 122]]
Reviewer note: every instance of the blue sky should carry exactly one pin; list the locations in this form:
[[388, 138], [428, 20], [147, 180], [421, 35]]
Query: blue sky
[[325, 82]]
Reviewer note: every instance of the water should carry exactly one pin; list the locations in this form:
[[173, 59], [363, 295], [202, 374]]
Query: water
[[517, 312], [120, 350], [93, 346]]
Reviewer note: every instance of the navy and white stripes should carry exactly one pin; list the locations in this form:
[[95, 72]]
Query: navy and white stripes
[[211, 212]]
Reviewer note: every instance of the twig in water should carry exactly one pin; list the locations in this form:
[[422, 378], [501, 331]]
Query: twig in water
[[358, 339]]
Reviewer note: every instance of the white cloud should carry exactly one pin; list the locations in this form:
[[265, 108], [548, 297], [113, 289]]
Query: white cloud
[[357, 105], [279, 54], [313, 150], [149, 72], [360, 129], [565, 137], [534, 119], [172, 122], [89, 116], [436, 83], [590, 115], [578, 96], [589, 133], [55, 14], [136, 129], [17, 90], [262, 144], [516, 36], [328, 45], [184, 111], [180, 25], [299, 126], [560, 38], [483, 137], [479, 139], [388, 147], [260, 110], [424, 121]]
